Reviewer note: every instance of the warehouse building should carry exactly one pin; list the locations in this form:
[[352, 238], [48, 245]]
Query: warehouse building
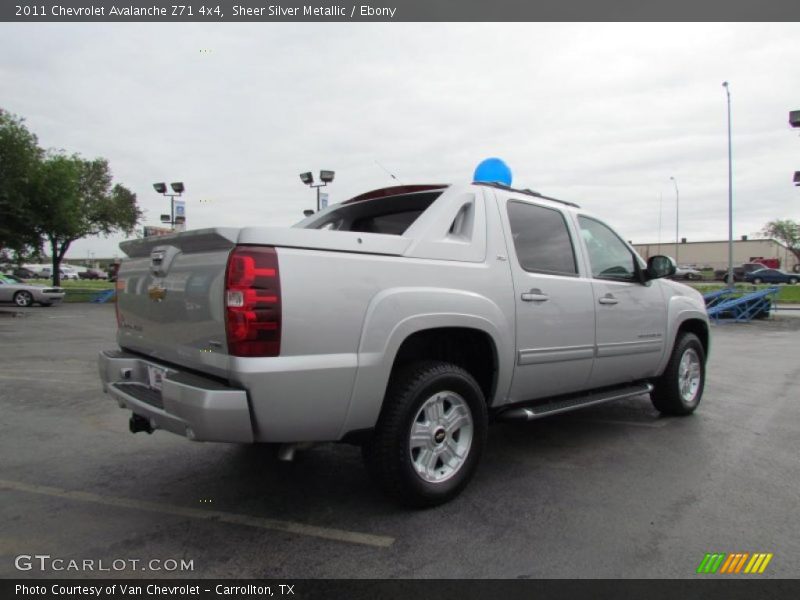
[[715, 254]]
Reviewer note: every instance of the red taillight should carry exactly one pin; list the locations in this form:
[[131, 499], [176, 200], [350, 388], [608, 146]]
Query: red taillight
[[253, 302]]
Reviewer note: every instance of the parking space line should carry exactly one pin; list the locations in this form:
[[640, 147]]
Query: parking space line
[[92, 369], [339, 535], [651, 424], [42, 379]]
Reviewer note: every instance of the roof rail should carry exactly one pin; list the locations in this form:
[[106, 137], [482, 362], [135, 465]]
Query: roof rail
[[500, 186]]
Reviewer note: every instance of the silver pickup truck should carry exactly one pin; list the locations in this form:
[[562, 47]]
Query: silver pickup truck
[[403, 320]]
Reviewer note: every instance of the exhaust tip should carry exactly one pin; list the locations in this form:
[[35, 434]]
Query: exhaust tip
[[138, 423]]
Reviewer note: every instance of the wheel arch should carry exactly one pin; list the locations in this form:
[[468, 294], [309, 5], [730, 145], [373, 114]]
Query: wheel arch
[[698, 327], [472, 349], [467, 340]]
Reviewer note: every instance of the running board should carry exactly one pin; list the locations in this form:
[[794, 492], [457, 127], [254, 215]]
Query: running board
[[528, 413]]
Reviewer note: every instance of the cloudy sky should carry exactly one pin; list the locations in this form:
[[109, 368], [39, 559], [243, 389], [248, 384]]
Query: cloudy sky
[[601, 114]]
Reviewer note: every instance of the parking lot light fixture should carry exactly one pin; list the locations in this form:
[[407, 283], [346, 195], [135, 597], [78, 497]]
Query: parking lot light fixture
[[326, 176], [177, 188]]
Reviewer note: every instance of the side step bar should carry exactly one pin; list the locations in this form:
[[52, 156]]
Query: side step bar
[[528, 413]]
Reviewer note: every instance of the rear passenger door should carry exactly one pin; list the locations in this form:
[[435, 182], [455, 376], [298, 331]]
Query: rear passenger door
[[631, 316], [554, 305]]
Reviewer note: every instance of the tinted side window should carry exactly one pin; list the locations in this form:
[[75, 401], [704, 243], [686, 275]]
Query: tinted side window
[[541, 239], [608, 254]]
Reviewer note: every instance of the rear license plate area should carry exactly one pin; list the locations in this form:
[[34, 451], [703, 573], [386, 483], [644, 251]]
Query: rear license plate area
[[155, 377]]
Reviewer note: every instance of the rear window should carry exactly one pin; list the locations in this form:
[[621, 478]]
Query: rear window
[[391, 215], [393, 224]]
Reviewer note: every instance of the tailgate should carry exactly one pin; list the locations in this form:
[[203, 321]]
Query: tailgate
[[170, 295], [171, 291]]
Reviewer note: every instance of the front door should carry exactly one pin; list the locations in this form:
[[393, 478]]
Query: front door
[[631, 316]]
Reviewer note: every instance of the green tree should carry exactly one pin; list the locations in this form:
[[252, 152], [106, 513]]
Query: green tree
[[20, 157], [76, 199], [786, 231]]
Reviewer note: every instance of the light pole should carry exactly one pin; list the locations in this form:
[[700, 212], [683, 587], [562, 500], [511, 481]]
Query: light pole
[[730, 190], [178, 189], [660, 205], [794, 121], [677, 217], [325, 176]]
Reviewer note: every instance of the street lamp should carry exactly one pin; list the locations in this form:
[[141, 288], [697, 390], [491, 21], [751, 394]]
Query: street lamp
[[730, 190], [677, 215], [325, 176], [660, 205], [178, 189]]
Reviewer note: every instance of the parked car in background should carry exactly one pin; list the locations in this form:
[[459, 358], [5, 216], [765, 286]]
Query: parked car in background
[[92, 274], [771, 276], [688, 273], [112, 271], [26, 294], [739, 271], [23, 273], [47, 273]]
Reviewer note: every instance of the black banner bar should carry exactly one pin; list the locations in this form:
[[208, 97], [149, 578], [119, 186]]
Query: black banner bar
[[210, 11], [704, 587]]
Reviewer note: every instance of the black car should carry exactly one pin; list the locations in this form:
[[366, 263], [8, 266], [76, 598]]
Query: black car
[[23, 273], [92, 274]]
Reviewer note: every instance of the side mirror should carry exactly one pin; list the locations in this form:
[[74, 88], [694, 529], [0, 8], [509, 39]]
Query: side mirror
[[659, 266]]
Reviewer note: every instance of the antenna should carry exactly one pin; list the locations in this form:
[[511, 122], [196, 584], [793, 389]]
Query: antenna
[[389, 173]]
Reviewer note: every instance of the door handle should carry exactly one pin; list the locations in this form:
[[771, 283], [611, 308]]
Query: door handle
[[535, 295], [608, 299]]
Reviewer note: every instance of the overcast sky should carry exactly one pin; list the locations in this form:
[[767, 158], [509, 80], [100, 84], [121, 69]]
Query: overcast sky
[[600, 114]]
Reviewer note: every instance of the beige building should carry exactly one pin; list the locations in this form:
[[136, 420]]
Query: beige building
[[715, 254]]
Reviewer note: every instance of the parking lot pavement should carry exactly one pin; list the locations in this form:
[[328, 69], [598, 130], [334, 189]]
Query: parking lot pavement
[[611, 491]]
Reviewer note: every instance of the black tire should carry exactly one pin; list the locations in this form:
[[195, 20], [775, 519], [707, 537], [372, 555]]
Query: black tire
[[757, 280], [393, 461], [673, 393], [23, 298], [792, 280]]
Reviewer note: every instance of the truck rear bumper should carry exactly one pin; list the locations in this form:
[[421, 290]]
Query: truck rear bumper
[[196, 407]]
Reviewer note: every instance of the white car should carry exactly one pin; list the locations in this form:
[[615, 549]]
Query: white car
[[69, 273], [66, 273], [26, 294], [687, 272]]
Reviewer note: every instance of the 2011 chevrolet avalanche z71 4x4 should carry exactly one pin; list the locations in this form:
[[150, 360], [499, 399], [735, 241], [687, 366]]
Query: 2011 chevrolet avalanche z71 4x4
[[401, 320]]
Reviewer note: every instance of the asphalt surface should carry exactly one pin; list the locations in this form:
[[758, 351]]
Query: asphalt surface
[[612, 491]]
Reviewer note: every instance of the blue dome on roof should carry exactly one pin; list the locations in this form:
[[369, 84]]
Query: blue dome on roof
[[492, 170]]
